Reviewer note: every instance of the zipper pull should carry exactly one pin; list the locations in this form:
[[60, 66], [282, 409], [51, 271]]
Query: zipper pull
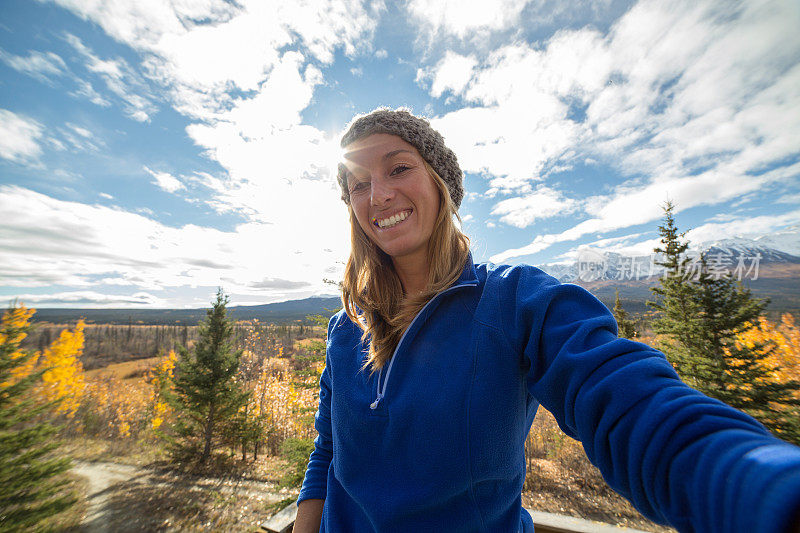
[[379, 395]]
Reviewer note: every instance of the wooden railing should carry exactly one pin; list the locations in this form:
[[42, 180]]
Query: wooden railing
[[543, 522]]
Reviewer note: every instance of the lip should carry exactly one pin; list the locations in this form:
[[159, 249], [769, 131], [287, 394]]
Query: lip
[[374, 220]]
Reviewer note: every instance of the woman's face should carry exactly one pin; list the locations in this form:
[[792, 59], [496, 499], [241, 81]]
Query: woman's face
[[392, 195]]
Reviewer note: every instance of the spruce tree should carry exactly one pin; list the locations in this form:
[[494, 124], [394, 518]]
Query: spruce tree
[[626, 327], [699, 321], [206, 397], [31, 485], [677, 309], [732, 372]]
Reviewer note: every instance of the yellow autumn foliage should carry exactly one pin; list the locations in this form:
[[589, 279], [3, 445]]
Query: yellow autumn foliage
[[64, 380], [15, 320], [279, 402], [116, 408], [160, 378], [785, 337]]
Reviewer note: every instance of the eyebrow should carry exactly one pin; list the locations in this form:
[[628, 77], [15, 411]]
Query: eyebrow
[[386, 156], [393, 153]]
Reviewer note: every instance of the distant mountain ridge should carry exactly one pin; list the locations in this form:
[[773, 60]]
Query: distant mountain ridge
[[770, 268], [290, 311]]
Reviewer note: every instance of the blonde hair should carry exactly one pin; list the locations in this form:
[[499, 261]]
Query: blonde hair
[[372, 294]]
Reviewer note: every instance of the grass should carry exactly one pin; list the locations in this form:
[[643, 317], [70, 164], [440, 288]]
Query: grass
[[124, 451], [134, 369]]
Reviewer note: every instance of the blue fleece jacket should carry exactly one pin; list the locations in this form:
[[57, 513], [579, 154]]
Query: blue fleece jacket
[[435, 441]]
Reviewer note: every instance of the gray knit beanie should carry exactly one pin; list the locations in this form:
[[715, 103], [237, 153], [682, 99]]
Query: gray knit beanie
[[417, 132]]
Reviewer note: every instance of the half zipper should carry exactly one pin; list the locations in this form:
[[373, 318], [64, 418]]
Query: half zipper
[[381, 392]]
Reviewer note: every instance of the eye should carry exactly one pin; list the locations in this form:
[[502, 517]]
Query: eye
[[359, 186], [399, 169]]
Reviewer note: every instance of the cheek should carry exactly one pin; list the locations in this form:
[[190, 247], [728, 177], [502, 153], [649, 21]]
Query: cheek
[[362, 217], [433, 203]]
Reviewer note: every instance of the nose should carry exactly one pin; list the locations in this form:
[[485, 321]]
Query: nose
[[381, 192]]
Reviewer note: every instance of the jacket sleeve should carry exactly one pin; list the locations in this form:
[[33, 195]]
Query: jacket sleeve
[[679, 456], [315, 483]]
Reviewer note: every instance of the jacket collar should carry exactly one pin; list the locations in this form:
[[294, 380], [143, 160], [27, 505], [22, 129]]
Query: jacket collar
[[469, 276]]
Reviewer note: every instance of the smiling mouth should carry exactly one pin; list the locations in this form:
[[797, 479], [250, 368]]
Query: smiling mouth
[[389, 222]]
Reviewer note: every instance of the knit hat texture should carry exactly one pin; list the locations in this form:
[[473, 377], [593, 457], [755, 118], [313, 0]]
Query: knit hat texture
[[417, 132]]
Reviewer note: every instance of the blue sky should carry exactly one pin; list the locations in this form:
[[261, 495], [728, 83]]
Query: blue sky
[[151, 151]]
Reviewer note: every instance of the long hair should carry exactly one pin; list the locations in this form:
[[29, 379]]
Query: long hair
[[372, 294]]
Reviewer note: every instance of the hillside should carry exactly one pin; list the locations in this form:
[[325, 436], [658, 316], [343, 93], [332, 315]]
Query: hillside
[[277, 313]]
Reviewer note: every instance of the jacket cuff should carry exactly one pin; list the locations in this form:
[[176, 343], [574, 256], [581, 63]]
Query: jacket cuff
[[311, 494]]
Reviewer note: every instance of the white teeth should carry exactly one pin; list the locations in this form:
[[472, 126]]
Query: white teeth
[[394, 219]]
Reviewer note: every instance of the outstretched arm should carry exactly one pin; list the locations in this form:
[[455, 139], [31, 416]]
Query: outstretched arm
[[679, 456]]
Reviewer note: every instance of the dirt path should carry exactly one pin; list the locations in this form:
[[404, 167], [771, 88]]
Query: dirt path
[[130, 498], [102, 478]]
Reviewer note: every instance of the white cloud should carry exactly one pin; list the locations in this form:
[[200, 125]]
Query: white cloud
[[453, 72], [119, 78], [746, 227], [86, 90], [624, 245], [244, 73], [52, 242], [39, 65], [460, 17], [628, 207], [381, 54], [522, 211], [76, 137], [166, 181], [19, 137], [202, 50], [693, 100], [738, 227], [91, 299], [612, 242], [83, 132], [789, 199]]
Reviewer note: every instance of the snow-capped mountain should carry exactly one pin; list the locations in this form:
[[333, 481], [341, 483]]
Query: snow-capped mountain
[[736, 255], [787, 241], [738, 247]]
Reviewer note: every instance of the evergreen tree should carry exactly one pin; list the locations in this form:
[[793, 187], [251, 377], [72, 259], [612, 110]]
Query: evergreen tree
[[700, 323], [675, 303], [733, 372], [626, 326], [206, 397], [31, 487]]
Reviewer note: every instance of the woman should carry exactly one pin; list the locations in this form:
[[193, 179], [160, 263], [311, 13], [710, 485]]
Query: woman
[[436, 366]]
